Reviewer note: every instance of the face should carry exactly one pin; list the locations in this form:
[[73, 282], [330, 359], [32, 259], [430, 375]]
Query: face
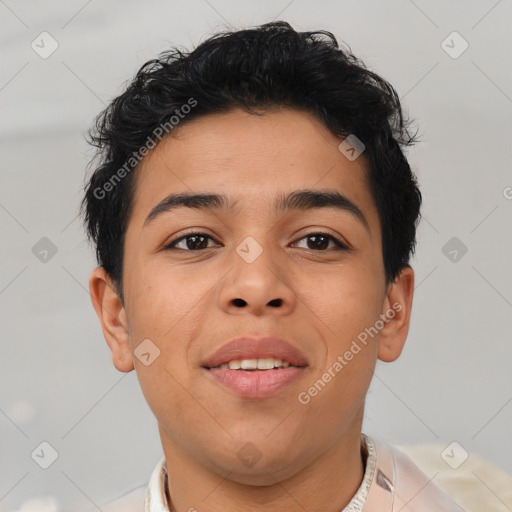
[[197, 278]]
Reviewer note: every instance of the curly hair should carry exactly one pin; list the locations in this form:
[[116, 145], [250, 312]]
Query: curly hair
[[258, 68]]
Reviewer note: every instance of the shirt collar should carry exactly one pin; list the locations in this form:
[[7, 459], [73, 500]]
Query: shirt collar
[[156, 497], [357, 502]]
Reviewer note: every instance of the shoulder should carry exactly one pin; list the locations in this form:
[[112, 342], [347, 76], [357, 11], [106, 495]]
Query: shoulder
[[133, 501], [150, 496], [412, 489], [467, 477]]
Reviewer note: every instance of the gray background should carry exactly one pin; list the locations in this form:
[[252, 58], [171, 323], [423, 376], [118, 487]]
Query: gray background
[[57, 381]]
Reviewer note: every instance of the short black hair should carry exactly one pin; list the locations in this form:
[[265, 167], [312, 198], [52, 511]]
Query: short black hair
[[264, 67]]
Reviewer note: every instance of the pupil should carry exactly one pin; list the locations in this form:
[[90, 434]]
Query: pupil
[[319, 241], [193, 245]]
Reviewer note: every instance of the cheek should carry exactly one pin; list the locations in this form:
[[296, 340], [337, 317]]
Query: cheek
[[348, 303], [164, 309], [162, 297], [335, 398], [167, 306], [346, 300]]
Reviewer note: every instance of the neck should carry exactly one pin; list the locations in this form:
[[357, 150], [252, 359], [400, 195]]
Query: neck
[[325, 485]]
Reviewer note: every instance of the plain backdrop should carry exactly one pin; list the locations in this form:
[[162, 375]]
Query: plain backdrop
[[57, 381]]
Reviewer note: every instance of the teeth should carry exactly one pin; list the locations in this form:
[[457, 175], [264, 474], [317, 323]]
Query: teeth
[[249, 364], [267, 363]]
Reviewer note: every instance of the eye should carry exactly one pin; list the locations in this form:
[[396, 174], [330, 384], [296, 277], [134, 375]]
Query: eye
[[320, 241], [190, 242], [199, 241]]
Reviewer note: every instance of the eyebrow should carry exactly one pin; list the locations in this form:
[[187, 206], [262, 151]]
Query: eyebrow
[[302, 200]]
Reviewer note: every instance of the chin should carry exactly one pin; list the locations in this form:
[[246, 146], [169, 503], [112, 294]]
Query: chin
[[261, 474], [259, 467]]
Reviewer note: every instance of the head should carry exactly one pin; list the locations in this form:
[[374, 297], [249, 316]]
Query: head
[[256, 186]]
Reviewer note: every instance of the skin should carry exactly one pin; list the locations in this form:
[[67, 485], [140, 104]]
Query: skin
[[184, 303]]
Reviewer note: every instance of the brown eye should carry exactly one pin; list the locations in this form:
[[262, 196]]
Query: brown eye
[[320, 242], [190, 242]]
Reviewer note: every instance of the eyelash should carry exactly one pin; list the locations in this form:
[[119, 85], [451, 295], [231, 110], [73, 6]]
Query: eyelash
[[339, 244]]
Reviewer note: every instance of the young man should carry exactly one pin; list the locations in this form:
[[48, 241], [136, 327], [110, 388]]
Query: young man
[[254, 216]]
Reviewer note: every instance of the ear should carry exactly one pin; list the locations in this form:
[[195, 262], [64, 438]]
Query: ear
[[397, 310], [111, 312]]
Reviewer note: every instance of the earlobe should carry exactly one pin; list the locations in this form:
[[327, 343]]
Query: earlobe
[[397, 310], [112, 316]]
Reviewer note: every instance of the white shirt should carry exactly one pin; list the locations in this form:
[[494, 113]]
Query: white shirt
[[391, 483]]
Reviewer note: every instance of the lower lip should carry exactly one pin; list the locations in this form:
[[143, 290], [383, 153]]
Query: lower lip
[[257, 383]]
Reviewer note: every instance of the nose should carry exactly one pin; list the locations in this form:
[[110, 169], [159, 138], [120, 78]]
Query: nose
[[258, 288], [241, 303]]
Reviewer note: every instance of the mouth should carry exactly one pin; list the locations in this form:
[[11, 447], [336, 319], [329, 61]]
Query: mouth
[[256, 367], [255, 383], [256, 353], [267, 363]]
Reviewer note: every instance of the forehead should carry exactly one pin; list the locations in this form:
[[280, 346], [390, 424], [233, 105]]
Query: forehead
[[251, 159]]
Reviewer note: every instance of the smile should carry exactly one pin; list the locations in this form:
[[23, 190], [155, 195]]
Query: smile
[[255, 383], [267, 363]]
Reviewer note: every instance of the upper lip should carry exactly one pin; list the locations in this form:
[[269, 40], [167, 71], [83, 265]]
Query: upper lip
[[248, 347]]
